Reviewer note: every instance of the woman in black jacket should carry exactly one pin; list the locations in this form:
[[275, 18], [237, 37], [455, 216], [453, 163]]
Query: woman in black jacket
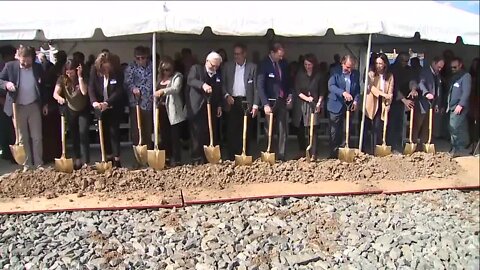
[[310, 87], [105, 90]]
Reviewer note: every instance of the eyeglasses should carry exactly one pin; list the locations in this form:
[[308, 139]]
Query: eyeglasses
[[213, 65]]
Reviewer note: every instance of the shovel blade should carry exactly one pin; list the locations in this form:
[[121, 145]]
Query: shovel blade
[[103, 166], [409, 148], [383, 150], [64, 165], [429, 148], [212, 153], [243, 160], [140, 152], [268, 157], [346, 154], [18, 153], [307, 154], [156, 159]]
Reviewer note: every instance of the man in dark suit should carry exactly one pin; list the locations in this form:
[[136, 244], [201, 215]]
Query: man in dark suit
[[430, 86], [343, 88], [23, 80], [274, 83], [239, 84], [203, 82]]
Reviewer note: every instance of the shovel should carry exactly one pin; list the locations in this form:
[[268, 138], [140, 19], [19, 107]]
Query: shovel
[[63, 164], [312, 117], [267, 156], [140, 150], [346, 153], [243, 159], [156, 157], [383, 150], [102, 166], [429, 147], [212, 153], [410, 147], [18, 150]]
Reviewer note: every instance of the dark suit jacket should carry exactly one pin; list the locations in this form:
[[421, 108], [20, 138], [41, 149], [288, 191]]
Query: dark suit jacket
[[11, 73], [427, 85], [268, 84], [195, 97], [336, 87], [249, 79], [114, 89]]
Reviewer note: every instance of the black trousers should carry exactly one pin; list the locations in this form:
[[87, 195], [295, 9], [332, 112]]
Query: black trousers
[[199, 133], [373, 132], [235, 129], [336, 123], [111, 131], [170, 135], [78, 125], [395, 127], [279, 127], [7, 135]]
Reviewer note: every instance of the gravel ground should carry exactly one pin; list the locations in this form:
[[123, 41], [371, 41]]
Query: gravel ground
[[429, 230], [50, 183]]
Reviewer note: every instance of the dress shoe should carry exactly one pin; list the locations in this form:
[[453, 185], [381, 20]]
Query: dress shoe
[[117, 164]]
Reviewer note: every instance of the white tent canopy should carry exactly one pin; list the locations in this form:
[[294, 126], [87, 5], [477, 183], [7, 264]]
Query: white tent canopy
[[78, 20]]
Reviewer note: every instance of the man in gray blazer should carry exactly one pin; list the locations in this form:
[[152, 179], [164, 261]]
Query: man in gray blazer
[[430, 85], [239, 84], [457, 106], [23, 81]]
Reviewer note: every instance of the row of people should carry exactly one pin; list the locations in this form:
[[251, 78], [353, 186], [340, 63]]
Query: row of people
[[184, 97]]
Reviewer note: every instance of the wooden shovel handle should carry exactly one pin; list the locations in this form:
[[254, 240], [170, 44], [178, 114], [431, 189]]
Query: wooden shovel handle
[[17, 136], [347, 127], [244, 137], [139, 124], [385, 122], [411, 126], [430, 123], [270, 128], [157, 125], [63, 135], [100, 131], [210, 128]]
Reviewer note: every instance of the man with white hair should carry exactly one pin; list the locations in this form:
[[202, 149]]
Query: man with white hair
[[203, 83]]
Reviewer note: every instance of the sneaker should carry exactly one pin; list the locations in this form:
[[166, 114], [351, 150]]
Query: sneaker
[[25, 168], [40, 168]]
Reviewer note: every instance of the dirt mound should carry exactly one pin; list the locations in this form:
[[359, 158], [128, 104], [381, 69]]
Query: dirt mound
[[48, 182]]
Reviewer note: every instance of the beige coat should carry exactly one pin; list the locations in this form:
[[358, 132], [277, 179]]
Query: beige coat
[[373, 92]]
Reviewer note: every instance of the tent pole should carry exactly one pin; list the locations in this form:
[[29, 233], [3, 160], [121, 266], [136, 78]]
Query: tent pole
[[367, 67], [154, 79]]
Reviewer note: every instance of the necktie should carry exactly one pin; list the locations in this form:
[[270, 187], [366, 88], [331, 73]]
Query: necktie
[[278, 74]]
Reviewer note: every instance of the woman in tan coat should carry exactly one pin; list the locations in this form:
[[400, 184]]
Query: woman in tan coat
[[379, 98]]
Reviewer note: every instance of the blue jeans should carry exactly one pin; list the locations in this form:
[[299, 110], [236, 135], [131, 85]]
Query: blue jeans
[[458, 128]]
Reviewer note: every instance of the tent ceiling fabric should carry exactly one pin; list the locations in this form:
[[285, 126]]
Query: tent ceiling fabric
[[237, 18]]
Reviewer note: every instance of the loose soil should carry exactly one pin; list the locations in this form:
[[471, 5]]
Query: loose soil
[[121, 182]]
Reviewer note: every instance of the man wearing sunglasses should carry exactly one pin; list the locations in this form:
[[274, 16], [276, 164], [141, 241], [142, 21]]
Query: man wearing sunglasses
[[139, 87], [457, 106]]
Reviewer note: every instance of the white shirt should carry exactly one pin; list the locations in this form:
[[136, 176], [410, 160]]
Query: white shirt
[[105, 86], [239, 82], [382, 83], [348, 82]]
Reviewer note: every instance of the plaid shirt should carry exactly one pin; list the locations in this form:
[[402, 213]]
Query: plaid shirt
[[141, 78]]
